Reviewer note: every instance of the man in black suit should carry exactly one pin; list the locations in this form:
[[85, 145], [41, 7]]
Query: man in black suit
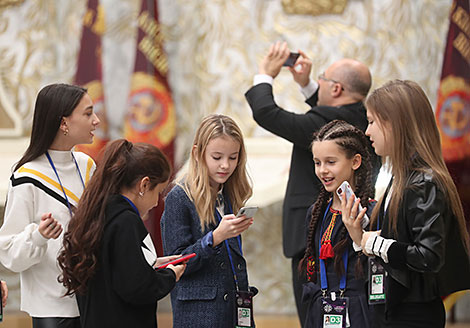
[[337, 94]]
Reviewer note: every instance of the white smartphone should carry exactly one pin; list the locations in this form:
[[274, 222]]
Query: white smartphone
[[248, 211], [346, 188]]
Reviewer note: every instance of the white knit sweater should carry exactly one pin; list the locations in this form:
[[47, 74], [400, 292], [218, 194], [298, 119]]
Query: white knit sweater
[[34, 190]]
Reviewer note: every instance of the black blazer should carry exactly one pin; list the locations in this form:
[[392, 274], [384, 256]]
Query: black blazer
[[303, 185], [125, 288], [428, 259]]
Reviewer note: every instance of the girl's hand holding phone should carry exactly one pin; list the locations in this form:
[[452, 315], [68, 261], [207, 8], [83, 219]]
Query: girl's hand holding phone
[[352, 217], [177, 269], [230, 226], [164, 259]]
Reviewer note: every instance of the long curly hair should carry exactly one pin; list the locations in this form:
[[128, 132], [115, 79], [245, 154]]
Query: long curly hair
[[123, 165], [352, 141]]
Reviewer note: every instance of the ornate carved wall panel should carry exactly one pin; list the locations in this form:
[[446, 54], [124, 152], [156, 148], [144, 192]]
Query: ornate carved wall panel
[[214, 48]]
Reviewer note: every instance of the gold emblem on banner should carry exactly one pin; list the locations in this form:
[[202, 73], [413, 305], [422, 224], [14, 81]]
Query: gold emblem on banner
[[151, 116], [453, 117], [314, 8]]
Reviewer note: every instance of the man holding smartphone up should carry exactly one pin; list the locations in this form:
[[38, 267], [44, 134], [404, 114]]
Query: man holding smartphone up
[[336, 94]]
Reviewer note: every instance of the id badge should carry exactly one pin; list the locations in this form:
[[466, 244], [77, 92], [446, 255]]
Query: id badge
[[377, 276], [334, 312], [243, 309]]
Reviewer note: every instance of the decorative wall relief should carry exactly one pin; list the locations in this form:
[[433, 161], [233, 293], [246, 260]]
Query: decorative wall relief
[[214, 48], [7, 3], [315, 8], [38, 46]]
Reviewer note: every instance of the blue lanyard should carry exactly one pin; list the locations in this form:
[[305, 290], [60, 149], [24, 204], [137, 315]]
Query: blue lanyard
[[323, 277], [57, 175], [132, 204], [228, 248]]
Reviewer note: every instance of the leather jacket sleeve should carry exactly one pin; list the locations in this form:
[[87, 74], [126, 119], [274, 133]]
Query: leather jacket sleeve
[[421, 245], [429, 258]]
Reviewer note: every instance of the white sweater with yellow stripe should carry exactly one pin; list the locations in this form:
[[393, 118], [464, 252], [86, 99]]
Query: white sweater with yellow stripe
[[34, 190]]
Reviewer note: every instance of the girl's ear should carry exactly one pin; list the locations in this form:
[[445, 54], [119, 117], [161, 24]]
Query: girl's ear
[[63, 126], [356, 161], [144, 184], [194, 150]]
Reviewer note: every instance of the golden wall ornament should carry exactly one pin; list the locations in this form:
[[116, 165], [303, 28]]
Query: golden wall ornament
[[6, 3], [10, 120], [314, 8], [38, 46]]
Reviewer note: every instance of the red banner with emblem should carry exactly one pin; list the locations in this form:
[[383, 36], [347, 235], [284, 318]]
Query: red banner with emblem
[[151, 116], [89, 73], [453, 106], [453, 103]]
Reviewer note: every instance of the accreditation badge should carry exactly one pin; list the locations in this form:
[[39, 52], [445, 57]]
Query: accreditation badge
[[243, 309], [334, 311], [377, 276]]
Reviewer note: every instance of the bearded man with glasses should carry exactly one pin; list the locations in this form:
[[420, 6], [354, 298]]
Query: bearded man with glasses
[[337, 94]]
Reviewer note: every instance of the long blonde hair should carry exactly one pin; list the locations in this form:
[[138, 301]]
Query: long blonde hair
[[404, 108], [195, 180]]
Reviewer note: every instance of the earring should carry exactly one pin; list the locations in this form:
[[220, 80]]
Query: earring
[[66, 131], [141, 193]]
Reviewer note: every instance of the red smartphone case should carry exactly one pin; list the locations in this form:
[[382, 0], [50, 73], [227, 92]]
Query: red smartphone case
[[176, 261]]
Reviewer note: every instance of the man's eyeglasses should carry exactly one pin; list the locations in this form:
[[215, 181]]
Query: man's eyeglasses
[[324, 78]]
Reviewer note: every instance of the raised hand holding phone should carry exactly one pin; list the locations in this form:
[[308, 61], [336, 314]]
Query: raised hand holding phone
[[352, 216], [302, 69], [346, 188], [272, 63], [290, 61]]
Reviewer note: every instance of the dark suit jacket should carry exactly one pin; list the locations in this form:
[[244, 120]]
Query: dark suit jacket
[[303, 185], [203, 297]]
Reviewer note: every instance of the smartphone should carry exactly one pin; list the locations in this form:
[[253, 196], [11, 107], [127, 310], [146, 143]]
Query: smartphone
[[176, 261], [248, 211], [345, 187], [291, 59]]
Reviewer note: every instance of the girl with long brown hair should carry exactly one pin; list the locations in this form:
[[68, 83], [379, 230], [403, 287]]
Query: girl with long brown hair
[[333, 269], [199, 217], [422, 240], [108, 257], [44, 190]]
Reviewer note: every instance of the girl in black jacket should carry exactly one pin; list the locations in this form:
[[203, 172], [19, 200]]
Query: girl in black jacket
[[108, 257], [422, 241]]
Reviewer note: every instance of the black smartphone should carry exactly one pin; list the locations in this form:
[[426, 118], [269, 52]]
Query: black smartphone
[[291, 59]]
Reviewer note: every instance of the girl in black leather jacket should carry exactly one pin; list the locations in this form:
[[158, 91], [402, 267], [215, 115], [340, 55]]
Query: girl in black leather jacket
[[423, 242]]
